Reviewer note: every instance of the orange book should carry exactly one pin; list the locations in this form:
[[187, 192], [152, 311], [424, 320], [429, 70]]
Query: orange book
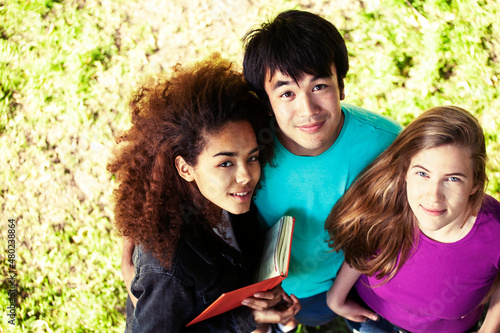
[[272, 270]]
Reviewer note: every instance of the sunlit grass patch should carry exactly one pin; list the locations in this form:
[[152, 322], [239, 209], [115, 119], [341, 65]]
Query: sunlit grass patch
[[67, 68]]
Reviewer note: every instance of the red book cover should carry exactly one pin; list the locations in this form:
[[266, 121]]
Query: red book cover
[[273, 270]]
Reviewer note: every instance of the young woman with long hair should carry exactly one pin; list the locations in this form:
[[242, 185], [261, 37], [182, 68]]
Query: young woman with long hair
[[421, 239], [189, 161]]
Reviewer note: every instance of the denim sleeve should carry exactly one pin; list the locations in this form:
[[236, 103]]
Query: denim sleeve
[[238, 320], [165, 304]]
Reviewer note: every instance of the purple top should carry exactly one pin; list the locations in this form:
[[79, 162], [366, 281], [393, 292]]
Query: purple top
[[440, 286]]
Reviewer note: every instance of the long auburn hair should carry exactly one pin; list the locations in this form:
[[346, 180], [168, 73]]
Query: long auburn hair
[[373, 223], [170, 117]]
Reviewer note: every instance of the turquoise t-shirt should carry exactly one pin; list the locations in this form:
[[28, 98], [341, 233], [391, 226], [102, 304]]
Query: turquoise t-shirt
[[307, 187]]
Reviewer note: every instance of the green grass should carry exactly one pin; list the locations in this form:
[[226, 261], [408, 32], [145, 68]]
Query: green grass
[[67, 67]]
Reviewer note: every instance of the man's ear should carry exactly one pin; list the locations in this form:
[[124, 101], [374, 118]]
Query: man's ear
[[342, 94], [184, 169], [270, 111]]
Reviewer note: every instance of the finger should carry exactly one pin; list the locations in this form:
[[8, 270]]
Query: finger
[[367, 314], [264, 295], [291, 311], [359, 318], [296, 304], [278, 289], [373, 316], [270, 297], [286, 298], [295, 300], [255, 303]]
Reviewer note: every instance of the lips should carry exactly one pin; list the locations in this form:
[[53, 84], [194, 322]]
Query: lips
[[311, 128], [242, 196], [433, 212]]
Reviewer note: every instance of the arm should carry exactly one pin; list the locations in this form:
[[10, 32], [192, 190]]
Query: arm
[[492, 321], [166, 304], [127, 266], [163, 304], [337, 296]]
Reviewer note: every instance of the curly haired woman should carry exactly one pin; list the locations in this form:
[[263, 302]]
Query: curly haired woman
[[190, 158], [419, 235]]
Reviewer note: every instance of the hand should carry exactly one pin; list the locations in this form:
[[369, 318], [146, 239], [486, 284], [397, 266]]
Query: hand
[[127, 266], [265, 299], [281, 313], [353, 311]]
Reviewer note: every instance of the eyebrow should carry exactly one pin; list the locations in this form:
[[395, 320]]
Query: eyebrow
[[281, 83], [447, 175], [231, 154]]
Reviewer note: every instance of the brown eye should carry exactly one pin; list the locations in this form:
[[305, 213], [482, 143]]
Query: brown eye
[[319, 87]]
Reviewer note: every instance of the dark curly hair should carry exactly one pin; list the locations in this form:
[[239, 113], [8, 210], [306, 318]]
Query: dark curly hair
[[170, 116]]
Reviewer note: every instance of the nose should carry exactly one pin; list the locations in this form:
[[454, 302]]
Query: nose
[[435, 192], [243, 174], [309, 106]]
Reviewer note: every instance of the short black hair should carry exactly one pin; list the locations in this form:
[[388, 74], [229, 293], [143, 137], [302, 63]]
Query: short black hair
[[294, 43]]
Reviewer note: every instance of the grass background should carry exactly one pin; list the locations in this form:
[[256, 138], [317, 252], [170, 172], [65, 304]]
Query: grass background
[[67, 68]]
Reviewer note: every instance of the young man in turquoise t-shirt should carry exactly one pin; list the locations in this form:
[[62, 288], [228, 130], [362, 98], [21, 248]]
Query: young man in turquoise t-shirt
[[298, 62]]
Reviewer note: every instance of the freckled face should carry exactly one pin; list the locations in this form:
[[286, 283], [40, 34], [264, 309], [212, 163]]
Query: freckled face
[[308, 111], [228, 168], [439, 184]]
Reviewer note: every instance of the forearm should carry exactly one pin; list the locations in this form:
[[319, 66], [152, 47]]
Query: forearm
[[127, 266], [127, 251], [345, 280], [165, 304], [337, 296]]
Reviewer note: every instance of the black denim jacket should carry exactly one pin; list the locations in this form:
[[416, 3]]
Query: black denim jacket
[[204, 266]]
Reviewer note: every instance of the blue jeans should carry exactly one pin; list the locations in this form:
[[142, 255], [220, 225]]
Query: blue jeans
[[381, 326], [370, 326], [314, 311]]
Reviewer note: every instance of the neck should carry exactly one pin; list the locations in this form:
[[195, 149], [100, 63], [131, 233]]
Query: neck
[[454, 233]]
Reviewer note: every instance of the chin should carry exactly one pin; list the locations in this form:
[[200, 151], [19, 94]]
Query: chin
[[238, 210]]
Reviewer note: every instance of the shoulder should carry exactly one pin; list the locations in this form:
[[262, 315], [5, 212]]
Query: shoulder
[[189, 250], [364, 136], [488, 229], [378, 122], [490, 209]]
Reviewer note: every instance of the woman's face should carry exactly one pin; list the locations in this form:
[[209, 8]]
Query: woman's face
[[439, 183], [228, 167]]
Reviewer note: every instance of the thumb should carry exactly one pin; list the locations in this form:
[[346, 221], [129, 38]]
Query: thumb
[[371, 315]]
